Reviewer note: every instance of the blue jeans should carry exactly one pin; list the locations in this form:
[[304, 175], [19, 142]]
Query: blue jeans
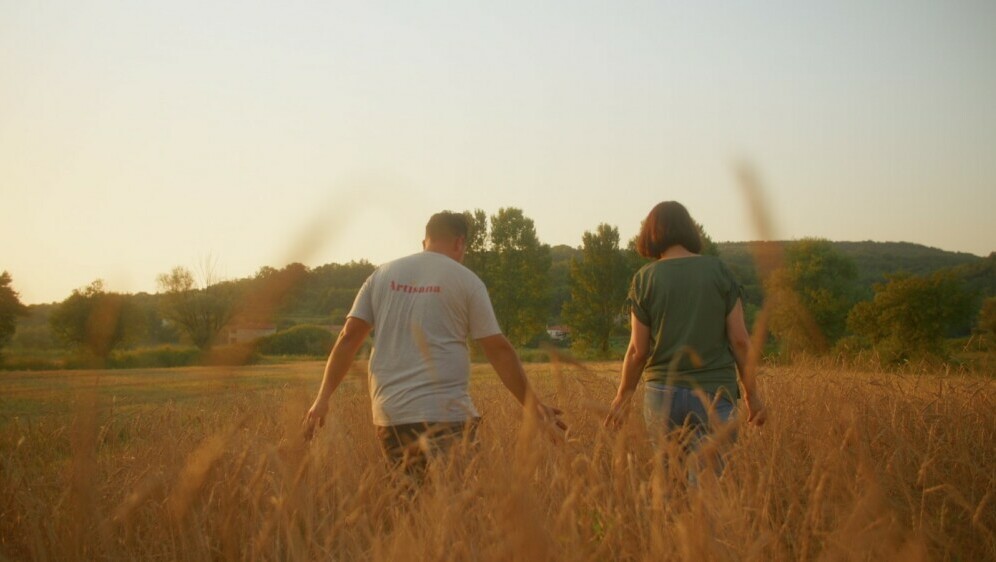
[[667, 408]]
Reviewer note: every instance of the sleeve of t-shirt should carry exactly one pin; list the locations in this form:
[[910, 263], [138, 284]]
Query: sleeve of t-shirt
[[363, 305], [735, 291], [635, 301], [482, 315]]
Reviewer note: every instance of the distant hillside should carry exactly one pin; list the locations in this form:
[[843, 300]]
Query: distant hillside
[[873, 259]]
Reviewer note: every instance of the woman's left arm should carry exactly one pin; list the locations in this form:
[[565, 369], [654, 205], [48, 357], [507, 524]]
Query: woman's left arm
[[736, 331]]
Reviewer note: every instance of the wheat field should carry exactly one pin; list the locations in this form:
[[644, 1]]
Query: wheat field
[[208, 464]]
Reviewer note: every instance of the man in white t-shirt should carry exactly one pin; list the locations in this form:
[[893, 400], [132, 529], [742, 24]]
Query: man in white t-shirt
[[422, 308]]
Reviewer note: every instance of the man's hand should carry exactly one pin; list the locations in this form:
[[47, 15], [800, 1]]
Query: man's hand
[[617, 411], [506, 363], [757, 414], [315, 418], [340, 359], [551, 415], [548, 419]]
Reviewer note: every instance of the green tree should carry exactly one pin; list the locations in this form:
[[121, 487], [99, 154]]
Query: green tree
[[156, 330], [559, 281], [34, 330], [514, 265], [95, 320], [478, 242], [330, 290], [709, 248], [199, 313], [634, 261], [272, 292], [812, 293], [987, 317], [909, 316], [11, 308], [598, 282]]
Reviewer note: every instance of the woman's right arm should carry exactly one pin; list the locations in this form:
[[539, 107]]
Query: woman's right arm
[[633, 363], [736, 331]]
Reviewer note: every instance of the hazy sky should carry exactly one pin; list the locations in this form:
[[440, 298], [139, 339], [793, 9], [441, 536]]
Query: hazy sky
[[136, 136]]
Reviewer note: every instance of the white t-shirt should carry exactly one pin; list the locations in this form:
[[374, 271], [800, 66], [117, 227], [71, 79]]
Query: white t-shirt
[[423, 308]]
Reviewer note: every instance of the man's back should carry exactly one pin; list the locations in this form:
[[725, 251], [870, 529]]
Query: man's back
[[423, 308]]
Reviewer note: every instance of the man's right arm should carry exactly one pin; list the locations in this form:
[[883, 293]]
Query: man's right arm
[[506, 363], [340, 359]]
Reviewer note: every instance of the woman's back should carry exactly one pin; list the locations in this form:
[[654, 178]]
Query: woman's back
[[685, 302]]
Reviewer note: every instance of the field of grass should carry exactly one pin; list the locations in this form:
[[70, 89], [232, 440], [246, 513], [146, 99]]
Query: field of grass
[[208, 463]]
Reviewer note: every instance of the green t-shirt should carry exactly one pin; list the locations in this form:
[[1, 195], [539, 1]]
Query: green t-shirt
[[685, 302]]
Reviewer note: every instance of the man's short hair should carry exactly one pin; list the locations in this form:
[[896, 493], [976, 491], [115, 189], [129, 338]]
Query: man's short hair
[[446, 225], [666, 225]]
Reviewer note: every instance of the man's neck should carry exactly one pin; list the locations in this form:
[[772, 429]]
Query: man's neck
[[436, 250], [449, 247]]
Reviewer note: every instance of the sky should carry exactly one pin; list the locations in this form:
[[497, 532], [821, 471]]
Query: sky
[[225, 136]]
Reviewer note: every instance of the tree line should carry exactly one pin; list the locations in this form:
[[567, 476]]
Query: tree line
[[813, 298]]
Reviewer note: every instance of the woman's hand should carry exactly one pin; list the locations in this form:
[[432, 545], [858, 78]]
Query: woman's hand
[[617, 411], [632, 367], [757, 414]]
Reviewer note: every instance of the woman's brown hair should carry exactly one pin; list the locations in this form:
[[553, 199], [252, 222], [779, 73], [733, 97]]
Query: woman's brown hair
[[668, 224]]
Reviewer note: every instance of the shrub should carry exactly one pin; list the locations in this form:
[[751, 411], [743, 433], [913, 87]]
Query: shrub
[[165, 356], [306, 339], [30, 363]]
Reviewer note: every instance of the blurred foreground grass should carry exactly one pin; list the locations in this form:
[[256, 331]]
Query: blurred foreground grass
[[207, 463]]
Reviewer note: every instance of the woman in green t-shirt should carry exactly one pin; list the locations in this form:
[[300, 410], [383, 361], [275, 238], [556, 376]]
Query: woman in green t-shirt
[[687, 335]]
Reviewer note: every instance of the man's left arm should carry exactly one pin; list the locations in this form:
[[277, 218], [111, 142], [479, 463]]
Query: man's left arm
[[506, 363]]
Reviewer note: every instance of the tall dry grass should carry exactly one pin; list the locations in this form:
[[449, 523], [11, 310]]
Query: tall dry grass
[[852, 465]]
